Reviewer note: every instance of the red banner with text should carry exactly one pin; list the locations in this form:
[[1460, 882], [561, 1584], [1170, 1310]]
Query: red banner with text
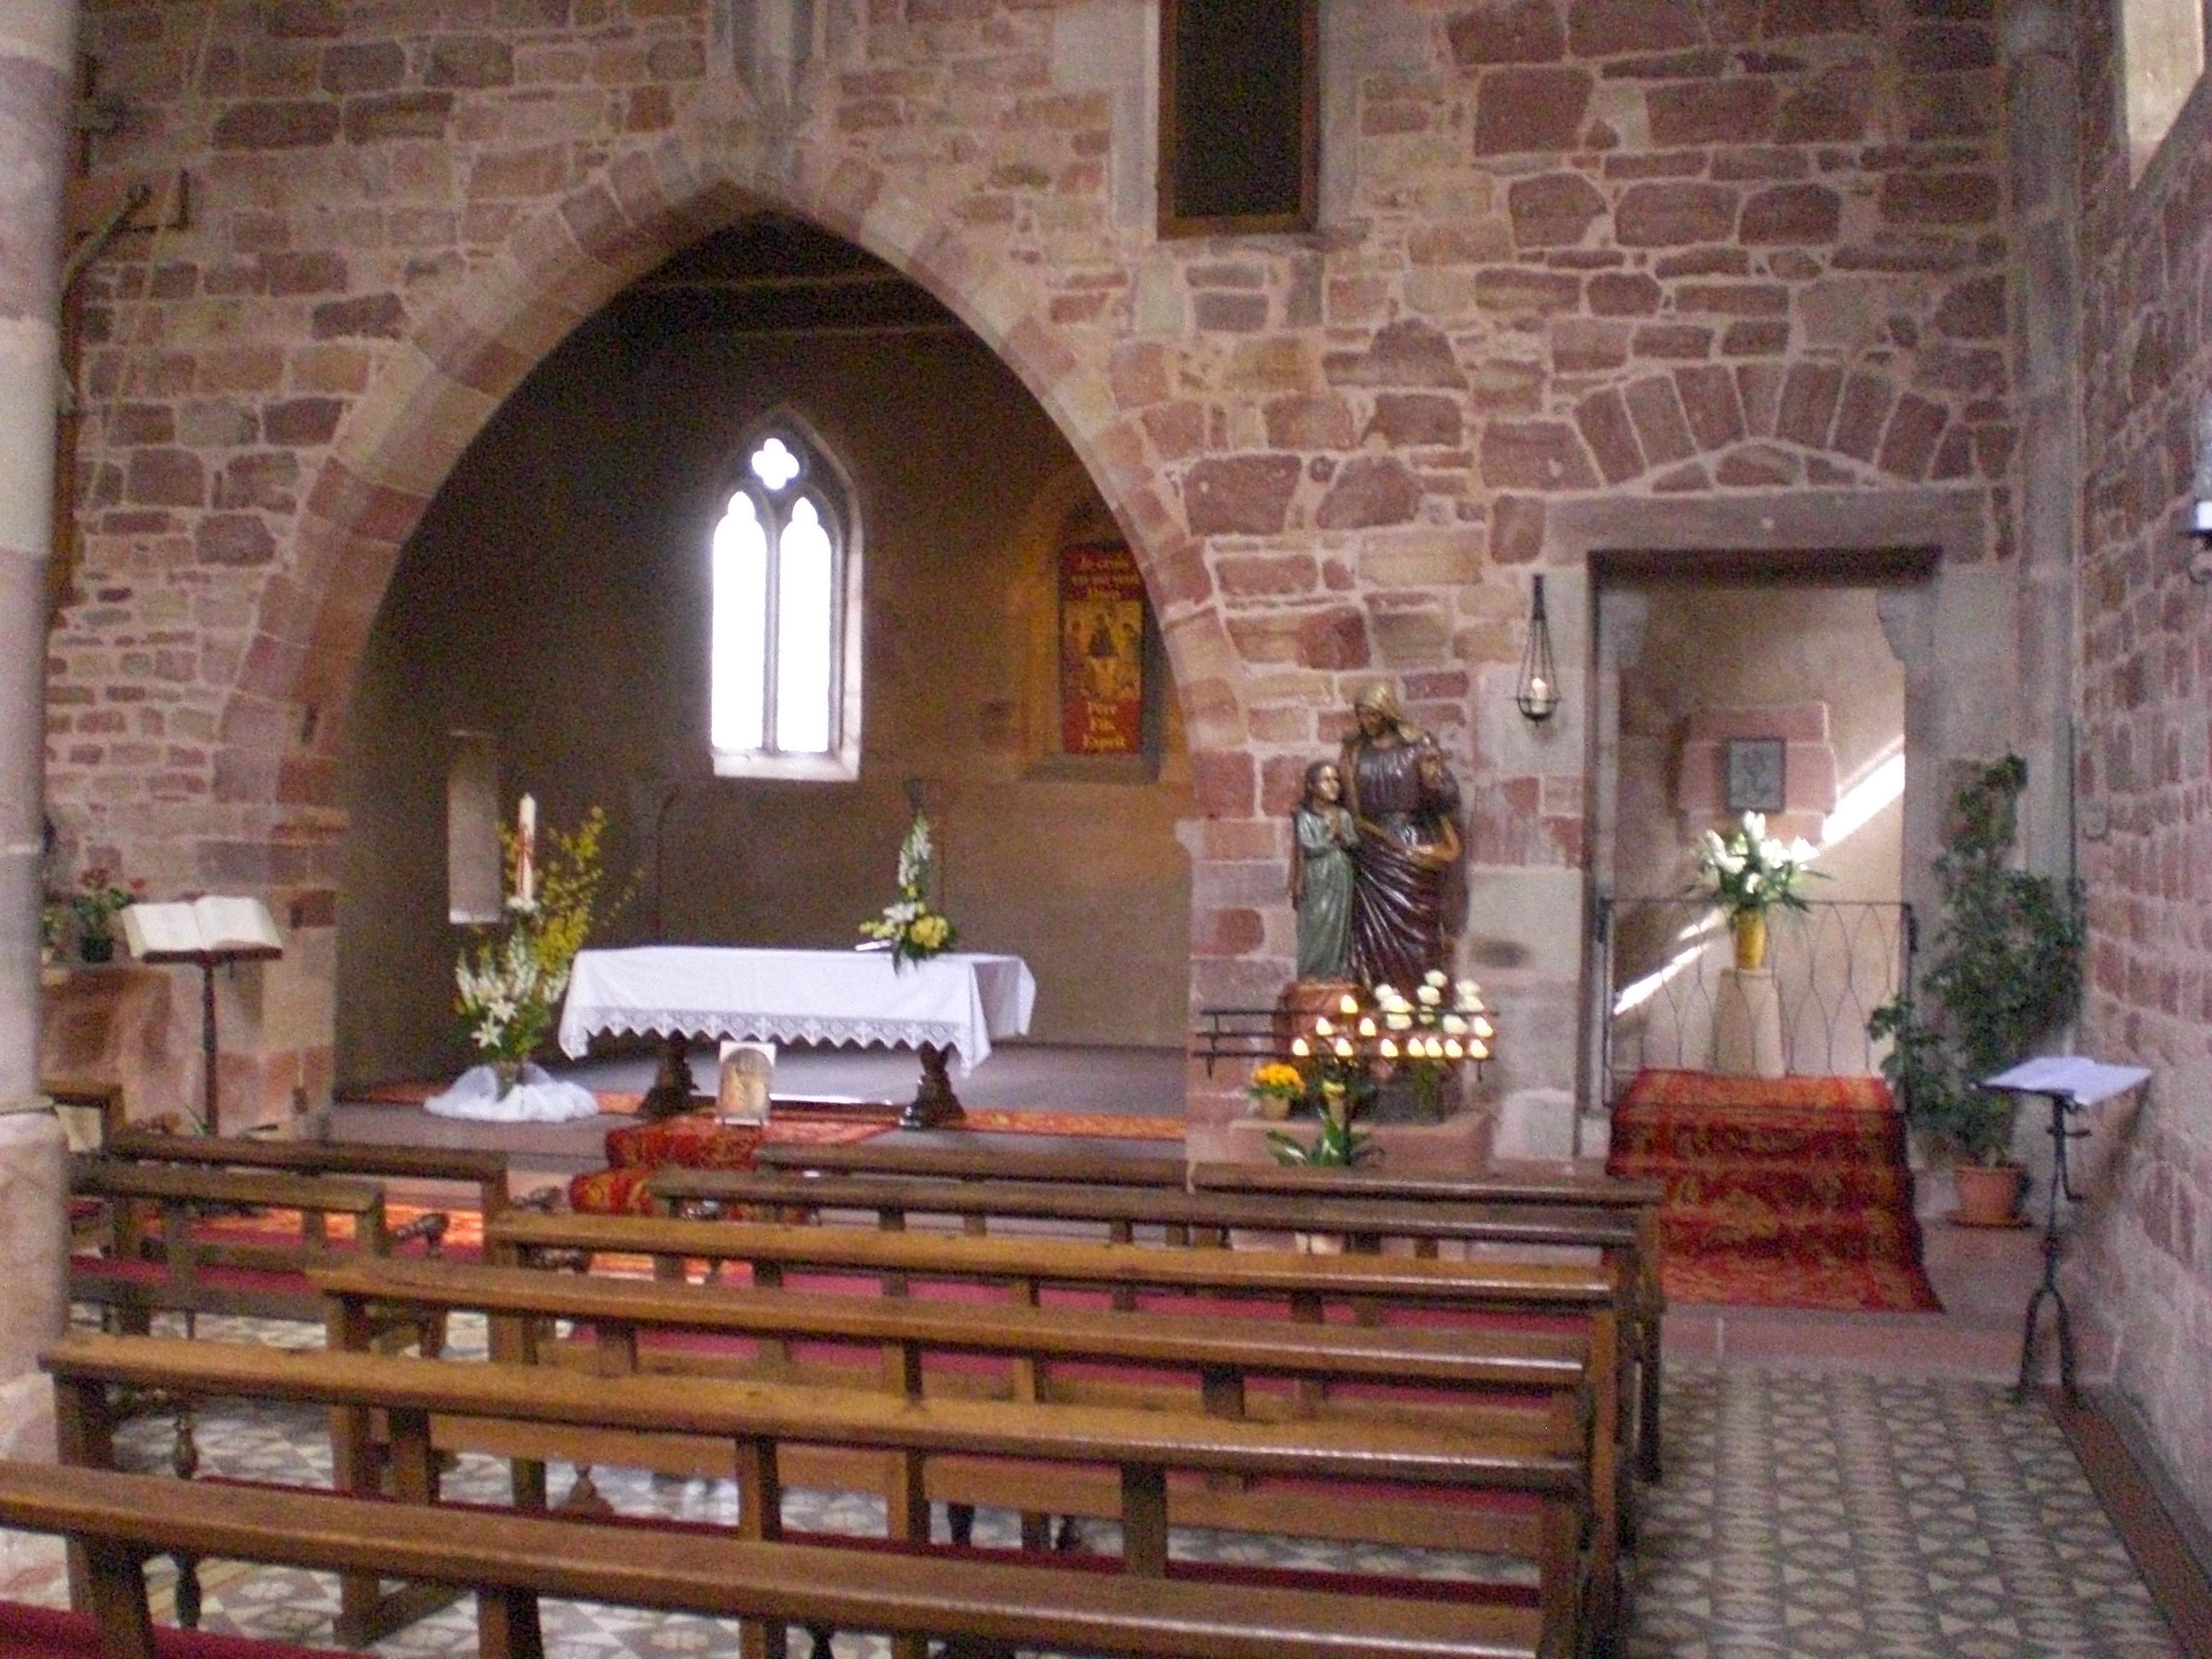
[[1102, 651]]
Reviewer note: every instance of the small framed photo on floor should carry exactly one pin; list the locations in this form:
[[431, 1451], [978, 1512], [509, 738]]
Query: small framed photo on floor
[[1757, 771]]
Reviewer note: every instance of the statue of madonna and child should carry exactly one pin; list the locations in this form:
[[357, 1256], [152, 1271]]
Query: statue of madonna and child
[[1375, 843]]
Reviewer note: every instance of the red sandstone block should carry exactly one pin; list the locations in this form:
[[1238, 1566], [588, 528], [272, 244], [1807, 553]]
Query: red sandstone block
[[1333, 639], [1537, 455], [1624, 295], [1757, 466], [1739, 110], [1519, 110], [1517, 529], [289, 125], [1711, 405], [1513, 32], [166, 477], [1239, 495], [1514, 290], [1947, 199], [1675, 214], [1910, 443], [1233, 932], [1610, 433], [1601, 28], [1410, 419], [1661, 425], [1368, 491], [1273, 575], [469, 62], [1584, 347], [1224, 784], [1864, 408]]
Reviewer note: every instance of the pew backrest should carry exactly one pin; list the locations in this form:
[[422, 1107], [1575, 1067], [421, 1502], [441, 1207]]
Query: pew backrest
[[486, 1171], [513, 1560]]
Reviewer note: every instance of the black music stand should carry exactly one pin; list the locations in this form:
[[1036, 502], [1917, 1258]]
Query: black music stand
[[2072, 1083]]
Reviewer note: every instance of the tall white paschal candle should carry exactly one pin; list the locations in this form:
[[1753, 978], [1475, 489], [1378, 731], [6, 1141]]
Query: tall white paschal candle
[[525, 863]]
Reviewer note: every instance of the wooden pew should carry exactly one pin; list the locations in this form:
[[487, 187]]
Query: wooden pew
[[1547, 1188], [1556, 1186], [782, 1435], [1169, 1282], [512, 1560], [177, 1267], [1618, 1235], [1534, 1387], [485, 1172]]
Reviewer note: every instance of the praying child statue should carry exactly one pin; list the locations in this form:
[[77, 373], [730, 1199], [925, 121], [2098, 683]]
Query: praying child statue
[[1323, 834]]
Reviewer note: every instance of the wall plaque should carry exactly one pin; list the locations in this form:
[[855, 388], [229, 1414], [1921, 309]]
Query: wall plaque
[[1102, 651], [1757, 771]]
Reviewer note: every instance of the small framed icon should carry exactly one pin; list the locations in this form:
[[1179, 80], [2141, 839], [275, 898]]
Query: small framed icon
[[1757, 770]]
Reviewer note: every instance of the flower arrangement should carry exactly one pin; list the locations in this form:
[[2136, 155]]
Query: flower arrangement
[[100, 896], [913, 930], [1337, 1145], [1751, 870], [513, 977], [1276, 1087]]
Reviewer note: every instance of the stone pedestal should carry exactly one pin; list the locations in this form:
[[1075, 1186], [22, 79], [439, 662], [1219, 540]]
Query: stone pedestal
[[128, 1026], [1459, 1146], [1747, 1024], [34, 1297]]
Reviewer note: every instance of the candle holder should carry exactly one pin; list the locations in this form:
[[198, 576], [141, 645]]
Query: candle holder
[[1537, 693]]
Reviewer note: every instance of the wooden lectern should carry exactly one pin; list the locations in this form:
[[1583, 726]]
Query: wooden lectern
[[207, 933]]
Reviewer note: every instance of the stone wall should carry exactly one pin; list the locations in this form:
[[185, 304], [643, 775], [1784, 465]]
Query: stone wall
[[1626, 252], [2144, 766]]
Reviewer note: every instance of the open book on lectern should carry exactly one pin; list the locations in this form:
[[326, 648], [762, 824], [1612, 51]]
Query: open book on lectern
[[210, 926]]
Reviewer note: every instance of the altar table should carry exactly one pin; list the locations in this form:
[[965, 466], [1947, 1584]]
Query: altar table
[[952, 1004]]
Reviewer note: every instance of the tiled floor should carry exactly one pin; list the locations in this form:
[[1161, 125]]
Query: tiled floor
[[1833, 1517]]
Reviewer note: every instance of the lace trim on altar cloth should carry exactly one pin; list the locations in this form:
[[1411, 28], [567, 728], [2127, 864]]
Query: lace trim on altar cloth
[[843, 1032]]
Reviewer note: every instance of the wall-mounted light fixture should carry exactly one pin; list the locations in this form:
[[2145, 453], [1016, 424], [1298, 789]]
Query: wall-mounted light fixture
[[2196, 517], [1537, 691]]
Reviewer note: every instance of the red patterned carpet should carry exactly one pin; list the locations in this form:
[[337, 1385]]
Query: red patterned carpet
[[1782, 1193]]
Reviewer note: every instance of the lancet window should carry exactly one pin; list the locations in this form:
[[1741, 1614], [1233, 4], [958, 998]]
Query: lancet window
[[785, 701]]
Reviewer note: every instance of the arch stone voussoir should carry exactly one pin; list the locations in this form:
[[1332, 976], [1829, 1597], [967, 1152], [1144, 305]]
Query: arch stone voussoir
[[436, 388]]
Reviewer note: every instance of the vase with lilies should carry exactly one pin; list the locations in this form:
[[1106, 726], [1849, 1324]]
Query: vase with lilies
[[1749, 873]]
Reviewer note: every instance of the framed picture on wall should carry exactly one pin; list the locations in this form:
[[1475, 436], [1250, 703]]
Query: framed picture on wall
[[1756, 774]]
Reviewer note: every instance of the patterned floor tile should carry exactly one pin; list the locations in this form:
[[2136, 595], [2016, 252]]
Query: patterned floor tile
[[1802, 1516]]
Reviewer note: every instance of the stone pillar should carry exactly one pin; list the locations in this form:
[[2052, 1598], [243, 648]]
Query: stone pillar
[[37, 39], [2043, 120]]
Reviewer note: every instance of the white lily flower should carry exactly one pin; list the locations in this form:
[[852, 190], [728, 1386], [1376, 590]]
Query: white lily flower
[[1436, 976], [1430, 996], [1754, 826]]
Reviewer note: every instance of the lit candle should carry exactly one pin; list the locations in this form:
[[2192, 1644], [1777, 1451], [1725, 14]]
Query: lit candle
[[1484, 1029], [1343, 1049], [1366, 1028], [1322, 1028], [1388, 1049], [1540, 689], [526, 857], [1300, 1048], [1349, 1005]]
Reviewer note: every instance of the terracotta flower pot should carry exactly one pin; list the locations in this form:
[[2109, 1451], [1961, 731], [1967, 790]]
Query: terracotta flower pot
[[1989, 1193]]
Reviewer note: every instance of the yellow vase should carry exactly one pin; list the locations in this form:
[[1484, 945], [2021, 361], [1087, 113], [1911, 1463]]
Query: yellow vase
[[1749, 927]]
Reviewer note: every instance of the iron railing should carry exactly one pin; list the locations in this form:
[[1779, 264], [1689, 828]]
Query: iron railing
[[1834, 963]]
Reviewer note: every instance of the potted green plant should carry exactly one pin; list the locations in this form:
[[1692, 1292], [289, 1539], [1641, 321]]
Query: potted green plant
[[1335, 1145], [100, 896], [2005, 973]]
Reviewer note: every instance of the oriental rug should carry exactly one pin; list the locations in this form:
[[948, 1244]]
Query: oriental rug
[[1782, 1193]]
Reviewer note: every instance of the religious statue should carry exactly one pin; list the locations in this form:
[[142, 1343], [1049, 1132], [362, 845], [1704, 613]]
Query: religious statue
[[1322, 836], [1403, 801]]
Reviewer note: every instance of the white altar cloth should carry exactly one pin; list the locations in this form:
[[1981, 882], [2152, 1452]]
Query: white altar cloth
[[958, 1001]]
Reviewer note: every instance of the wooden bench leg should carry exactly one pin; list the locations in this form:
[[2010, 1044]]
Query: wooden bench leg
[[508, 1626], [188, 1588], [117, 1595]]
